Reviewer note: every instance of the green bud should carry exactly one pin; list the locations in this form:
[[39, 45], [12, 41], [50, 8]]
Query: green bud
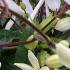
[[22, 5], [53, 61], [42, 57]]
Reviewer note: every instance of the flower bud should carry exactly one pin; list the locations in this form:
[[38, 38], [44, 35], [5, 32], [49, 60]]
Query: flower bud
[[42, 57], [53, 61], [22, 5]]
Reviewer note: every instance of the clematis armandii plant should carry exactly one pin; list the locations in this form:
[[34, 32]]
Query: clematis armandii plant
[[34, 61], [62, 50]]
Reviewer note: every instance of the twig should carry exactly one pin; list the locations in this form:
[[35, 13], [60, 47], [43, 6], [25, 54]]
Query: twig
[[11, 44]]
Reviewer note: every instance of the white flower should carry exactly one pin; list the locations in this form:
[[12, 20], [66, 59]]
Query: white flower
[[63, 24], [29, 8], [34, 62], [63, 53]]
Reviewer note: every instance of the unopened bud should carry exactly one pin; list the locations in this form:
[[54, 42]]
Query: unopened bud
[[42, 57], [22, 5], [53, 61]]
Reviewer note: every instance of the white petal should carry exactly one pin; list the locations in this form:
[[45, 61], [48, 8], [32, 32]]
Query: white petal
[[45, 68], [33, 60], [29, 8], [67, 1], [47, 9], [35, 11], [64, 54], [14, 7], [53, 4], [0, 64], [23, 66], [10, 23], [63, 24]]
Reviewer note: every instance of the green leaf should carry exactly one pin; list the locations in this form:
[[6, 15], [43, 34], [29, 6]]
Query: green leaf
[[7, 59], [21, 55]]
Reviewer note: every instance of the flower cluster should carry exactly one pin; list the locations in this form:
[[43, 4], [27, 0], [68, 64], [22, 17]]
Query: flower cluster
[[62, 55], [34, 61]]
